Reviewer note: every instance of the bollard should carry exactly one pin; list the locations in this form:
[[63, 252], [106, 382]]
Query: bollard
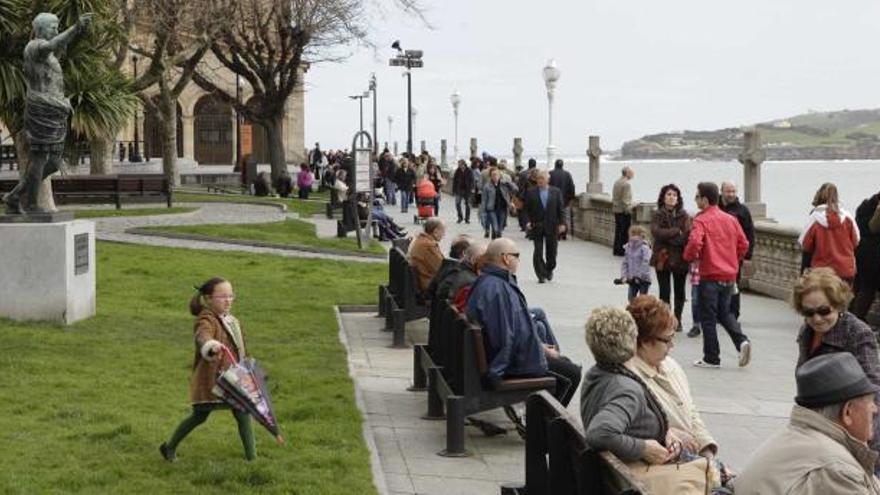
[[435, 403], [381, 301], [419, 378], [389, 311], [454, 428], [398, 327]]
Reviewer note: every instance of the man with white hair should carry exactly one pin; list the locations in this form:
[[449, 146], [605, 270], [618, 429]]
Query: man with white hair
[[730, 204], [514, 348], [621, 206]]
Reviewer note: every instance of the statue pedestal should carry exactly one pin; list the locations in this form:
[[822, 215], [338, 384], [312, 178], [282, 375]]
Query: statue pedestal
[[47, 270]]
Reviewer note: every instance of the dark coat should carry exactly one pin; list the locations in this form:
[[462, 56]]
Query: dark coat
[[868, 251], [405, 179], [744, 217], [544, 220], [561, 179], [670, 230], [462, 182]]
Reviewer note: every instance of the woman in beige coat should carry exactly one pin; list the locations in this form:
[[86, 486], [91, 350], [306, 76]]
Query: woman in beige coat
[[215, 328]]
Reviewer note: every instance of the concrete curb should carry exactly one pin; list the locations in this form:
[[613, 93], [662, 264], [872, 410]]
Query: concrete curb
[[280, 206], [239, 242], [367, 430]]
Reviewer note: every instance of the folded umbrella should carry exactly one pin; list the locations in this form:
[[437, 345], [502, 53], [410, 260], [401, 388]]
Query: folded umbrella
[[243, 386]]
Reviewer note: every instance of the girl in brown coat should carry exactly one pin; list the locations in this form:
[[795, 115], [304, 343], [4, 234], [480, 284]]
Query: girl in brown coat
[[215, 328]]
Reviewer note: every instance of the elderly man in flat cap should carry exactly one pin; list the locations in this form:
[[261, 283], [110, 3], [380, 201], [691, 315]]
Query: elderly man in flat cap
[[824, 448]]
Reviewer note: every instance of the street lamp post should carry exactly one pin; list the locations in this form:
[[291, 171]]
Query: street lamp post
[[375, 119], [551, 75], [237, 120], [135, 156], [390, 124], [360, 98], [413, 112], [456, 100], [410, 59]]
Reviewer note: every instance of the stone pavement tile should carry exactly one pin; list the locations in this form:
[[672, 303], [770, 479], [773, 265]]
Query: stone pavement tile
[[440, 485], [398, 483], [436, 465], [392, 457]]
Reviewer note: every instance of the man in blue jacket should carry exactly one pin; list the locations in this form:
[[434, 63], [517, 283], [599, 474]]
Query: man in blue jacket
[[514, 348]]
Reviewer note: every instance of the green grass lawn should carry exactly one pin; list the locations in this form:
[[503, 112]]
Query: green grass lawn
[[131, 212], [85, 407], [289, 232], [304, 208]]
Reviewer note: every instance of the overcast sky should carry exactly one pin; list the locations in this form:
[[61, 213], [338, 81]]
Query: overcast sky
[[628, 68]]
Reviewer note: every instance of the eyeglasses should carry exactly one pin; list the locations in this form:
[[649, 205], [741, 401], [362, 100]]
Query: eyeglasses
[[515, 255], [821, 311], [665, 340], [225, 297]]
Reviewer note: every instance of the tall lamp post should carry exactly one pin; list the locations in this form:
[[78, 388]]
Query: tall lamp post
[[410, 59], [551, 75], [375, 119], [237, 120], [135, 156], [360, 98], [413, 112], [456, 101], [390, 124]]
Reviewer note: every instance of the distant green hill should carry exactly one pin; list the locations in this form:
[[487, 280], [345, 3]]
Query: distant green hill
[[846, 134]]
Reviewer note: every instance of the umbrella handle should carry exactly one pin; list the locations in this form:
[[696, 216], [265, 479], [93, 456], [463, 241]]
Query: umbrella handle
[[229, 354]]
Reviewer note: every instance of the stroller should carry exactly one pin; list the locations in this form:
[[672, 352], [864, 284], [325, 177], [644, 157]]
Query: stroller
[[425, 194]]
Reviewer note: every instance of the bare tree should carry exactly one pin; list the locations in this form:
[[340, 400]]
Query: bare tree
[[177, 34], [268, 44]]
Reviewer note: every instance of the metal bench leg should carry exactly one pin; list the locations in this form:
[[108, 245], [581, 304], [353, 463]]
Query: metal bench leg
[[419, 378], [454, 428], [398, 318], [435, 403]]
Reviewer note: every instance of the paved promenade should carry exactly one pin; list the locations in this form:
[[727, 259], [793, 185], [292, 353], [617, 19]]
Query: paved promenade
[[742, 407]]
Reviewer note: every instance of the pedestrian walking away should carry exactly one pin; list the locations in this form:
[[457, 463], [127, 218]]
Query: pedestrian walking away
[[730, 204], [546, 220], [561, 179], [215, 329], [719, 243], [621, 206], [831, 236], [462, 185]]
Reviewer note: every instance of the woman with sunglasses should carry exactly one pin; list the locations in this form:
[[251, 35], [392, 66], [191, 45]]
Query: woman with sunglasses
[[822, 298]]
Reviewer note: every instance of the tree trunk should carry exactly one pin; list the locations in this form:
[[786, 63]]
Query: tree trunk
[[168, 111], [275, 136], [45, 200], [101, 156]]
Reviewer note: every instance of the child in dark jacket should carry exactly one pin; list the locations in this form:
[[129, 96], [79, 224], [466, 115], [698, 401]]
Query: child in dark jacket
[[635, 270]]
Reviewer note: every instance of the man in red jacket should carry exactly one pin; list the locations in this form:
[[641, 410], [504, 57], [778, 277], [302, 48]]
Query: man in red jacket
[[719, 243]]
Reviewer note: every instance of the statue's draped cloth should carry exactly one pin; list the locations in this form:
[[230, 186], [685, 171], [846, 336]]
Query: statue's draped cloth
[[45, 118]]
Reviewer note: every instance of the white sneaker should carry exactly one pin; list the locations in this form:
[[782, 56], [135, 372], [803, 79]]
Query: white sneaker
[[745, 354], [699, 363]]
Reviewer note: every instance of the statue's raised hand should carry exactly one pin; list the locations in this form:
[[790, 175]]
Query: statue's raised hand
[[85, 20]]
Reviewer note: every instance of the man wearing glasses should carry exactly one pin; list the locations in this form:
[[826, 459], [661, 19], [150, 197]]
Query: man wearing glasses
[[719, 244], [514, 347]]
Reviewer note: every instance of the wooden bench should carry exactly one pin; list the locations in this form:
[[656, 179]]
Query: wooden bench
[[398, 301], [105, 189], [457, 387], [558, 460]]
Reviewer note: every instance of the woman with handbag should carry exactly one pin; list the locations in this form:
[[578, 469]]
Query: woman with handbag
[[670, 227], [621, 415]]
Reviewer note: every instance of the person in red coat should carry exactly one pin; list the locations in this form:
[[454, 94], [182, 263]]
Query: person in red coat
[[719, 243], [831, 235]]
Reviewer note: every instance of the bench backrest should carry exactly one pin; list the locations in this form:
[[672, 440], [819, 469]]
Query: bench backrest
[[558, 460]]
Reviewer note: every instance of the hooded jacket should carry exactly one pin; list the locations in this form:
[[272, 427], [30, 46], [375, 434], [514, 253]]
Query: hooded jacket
[[831, 238]]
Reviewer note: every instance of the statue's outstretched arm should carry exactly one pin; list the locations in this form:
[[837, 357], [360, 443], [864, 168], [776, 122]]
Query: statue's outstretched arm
[[61, 41]]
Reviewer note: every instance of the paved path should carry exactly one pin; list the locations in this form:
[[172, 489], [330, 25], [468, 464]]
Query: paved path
[[114, 228], [741, 406]]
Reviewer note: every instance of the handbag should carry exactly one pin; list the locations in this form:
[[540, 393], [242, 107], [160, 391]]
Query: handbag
[[660, 260], [680, 478]]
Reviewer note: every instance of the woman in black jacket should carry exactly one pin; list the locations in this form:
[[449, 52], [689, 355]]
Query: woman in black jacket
[[406, 179], [670, 228]]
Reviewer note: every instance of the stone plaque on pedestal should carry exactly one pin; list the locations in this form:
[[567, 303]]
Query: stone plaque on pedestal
[[48, 270]]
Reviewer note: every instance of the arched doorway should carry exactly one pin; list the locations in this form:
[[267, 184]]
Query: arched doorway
[[153, 134], [213, 131], [259, 139]]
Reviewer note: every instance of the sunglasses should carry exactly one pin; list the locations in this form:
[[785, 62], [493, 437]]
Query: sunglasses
[[821, 311]]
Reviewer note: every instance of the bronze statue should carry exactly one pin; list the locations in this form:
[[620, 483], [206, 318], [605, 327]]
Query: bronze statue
[[46, 108]]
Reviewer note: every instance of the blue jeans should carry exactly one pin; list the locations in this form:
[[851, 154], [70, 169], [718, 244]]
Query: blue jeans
[[405, 199], [459, 199], [390, 190], [495, 220], [695, 304], [715, 308], [638, 287]]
